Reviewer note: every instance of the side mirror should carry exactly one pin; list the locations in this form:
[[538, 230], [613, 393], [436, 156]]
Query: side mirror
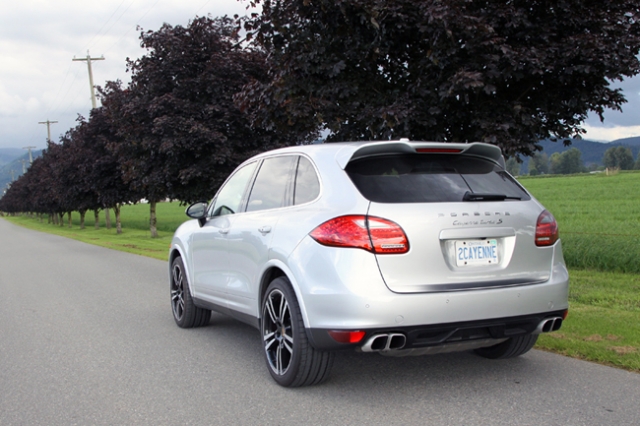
[[198, 211]]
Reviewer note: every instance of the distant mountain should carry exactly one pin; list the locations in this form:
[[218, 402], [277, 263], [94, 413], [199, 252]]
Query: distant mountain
[[592, 152], [634, 141], [7, 155], [15, 165]]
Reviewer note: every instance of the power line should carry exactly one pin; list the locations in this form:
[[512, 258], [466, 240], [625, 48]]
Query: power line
[[105, 24], [64, 80], [59, 105], [117, 20]]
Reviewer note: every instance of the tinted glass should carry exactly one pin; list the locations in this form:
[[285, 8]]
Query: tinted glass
[[230, 196], [307, 183], [272, 184], [419, 178]]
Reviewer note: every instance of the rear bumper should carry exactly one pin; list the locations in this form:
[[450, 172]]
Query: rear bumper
[[454, 335], [341, 289]]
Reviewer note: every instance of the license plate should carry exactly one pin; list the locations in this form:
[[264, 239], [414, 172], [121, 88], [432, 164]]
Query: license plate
[[476, 252]]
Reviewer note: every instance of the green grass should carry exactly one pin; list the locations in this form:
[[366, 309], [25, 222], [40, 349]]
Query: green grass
[[604, 320], [169, 216], [598, 216], [599, 219], [135, 237]]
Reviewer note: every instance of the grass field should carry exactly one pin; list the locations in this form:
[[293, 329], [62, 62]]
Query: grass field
[[135, 237], [598, 216], [599, 219]]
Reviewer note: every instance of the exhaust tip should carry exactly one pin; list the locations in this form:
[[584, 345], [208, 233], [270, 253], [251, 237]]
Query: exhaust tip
[[397, 341], [385, 342], [548, 325], [379, 343]]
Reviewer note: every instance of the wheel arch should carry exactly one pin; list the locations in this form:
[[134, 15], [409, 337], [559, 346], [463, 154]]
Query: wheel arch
[[275, 270], [177, 251]]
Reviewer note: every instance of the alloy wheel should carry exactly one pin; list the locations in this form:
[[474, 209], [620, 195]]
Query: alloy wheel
[[177, 292], [277, 332]]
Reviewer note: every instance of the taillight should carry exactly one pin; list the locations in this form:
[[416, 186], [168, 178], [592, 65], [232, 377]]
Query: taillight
[[387, 237], [374, 234], [546, 230]]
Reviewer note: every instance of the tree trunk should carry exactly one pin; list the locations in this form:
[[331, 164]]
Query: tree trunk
[[49, 219], [96, 214], [107, 218], [152, 219], [61, 219], [116, 211], [82, 213]]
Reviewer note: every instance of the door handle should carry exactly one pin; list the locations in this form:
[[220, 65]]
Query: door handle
[[265, 229], [223, 230]]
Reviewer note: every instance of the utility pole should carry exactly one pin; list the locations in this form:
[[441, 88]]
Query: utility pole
[[24, 167], [12, 176], [30, 156], [48, 123], [107, 216], [89, 59]]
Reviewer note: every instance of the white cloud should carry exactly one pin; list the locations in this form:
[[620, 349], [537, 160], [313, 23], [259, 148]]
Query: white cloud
[[12, 105], [608, 134], [38, 39]]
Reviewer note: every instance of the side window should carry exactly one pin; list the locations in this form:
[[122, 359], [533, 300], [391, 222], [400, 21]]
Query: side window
[[307, 186], [272, 187], [230, 196]]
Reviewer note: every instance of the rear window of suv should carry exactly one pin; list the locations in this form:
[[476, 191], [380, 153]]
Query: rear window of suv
[[423, 178]]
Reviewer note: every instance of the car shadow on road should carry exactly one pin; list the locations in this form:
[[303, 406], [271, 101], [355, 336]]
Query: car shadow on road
[[363, 372]]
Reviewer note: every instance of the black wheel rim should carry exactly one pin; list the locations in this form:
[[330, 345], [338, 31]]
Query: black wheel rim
[[177, 292], [277, 332]]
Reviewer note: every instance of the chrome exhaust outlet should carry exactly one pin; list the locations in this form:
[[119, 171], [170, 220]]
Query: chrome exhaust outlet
[[397, 341], [384, 342], [548, 325]]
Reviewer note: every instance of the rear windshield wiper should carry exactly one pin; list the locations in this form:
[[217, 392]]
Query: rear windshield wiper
[[471, 196]]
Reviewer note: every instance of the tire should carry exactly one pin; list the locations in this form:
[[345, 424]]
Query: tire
[[511, 348], [185, 313], [291, 360]]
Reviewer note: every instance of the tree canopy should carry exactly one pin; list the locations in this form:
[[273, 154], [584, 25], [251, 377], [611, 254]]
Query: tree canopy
[[618, 157], [174, 130], [505, 72], [202, 99], [567, 163]]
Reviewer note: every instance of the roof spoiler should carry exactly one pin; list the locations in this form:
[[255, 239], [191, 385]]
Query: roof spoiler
[[404, 146]]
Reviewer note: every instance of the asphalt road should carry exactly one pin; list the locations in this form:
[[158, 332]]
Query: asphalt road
[[87, 337]]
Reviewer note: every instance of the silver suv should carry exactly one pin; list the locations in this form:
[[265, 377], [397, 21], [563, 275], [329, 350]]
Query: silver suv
[[396, 247]]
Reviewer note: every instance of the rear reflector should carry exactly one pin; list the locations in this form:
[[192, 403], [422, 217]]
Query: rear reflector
[[344, 336], [546, 230], [374, 234], [439, 150]]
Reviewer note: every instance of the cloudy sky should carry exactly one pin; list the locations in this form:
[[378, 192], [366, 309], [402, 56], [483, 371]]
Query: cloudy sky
[[40, 82]]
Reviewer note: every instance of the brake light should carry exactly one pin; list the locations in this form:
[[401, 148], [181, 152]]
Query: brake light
[[374, 234], [439, 150], [546, 230]]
